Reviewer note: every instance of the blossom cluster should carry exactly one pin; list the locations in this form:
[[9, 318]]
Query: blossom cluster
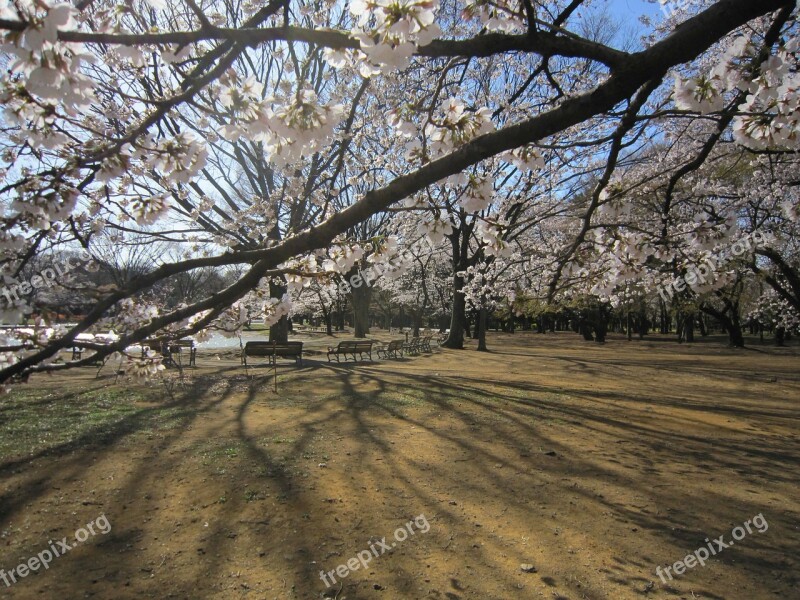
[[45, 80], [773, 311], [456, 126], [498, 15], [389, 31], [290, 127], [769, 117], [146, 368]]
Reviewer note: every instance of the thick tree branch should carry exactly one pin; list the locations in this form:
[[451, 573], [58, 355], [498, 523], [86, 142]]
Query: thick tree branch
[[545, 43]]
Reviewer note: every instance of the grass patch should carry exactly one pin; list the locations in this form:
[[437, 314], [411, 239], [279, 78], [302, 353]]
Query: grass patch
[[35, 420], [217, 451], [408, 398]]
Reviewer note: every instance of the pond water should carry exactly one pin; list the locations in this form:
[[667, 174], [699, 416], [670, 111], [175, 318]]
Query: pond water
[[220, 342], [217, 341]]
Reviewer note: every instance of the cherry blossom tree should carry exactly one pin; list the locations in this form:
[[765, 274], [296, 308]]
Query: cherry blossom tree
[[125, 116]]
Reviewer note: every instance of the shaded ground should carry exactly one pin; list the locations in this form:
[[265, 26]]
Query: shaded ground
[[593, 464]]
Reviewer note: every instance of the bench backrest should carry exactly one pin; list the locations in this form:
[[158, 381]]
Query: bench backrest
[[350, 346], [395, 345], [268, 347]]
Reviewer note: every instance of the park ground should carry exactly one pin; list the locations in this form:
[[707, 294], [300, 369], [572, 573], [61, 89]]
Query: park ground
[[548, 468]]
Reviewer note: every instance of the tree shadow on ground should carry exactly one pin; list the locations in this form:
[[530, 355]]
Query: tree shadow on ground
[[252, 494]]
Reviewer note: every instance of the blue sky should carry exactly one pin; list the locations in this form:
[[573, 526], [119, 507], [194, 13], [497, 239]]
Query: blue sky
[[627, 13], [630, 10]]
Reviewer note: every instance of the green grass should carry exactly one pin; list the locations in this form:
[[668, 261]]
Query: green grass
[[212, 452], [398, 399], [283, 440], [34, 420]]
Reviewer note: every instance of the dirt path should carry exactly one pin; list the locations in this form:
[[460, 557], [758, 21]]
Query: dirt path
[[592, 465]]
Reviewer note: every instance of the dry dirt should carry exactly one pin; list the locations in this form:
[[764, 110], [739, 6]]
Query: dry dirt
[[591, 464]]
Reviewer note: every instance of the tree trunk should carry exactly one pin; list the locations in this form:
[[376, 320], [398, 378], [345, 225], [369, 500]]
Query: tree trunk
[[644, 324], [279, 332], [735, 336], [361, 297], [703, 328], [459, 245], [585, 329], [600, 329], [480, 326], [339, 313], [417, 324], [455, 340], [688, 328], [730, 323], [665, 318], [475, 319]]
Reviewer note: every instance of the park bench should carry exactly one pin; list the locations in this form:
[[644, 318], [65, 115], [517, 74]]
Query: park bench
[[350, 348], [413, 347], [179, 347], [418, 345], [425, 343], [392, 350], [156, 345], [170, 349], [83, 343], [79, 349], [273, 350]]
